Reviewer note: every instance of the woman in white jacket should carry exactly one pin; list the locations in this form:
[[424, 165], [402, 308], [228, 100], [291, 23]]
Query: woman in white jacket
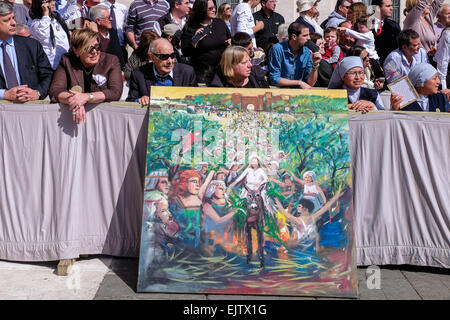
[[49, 29]]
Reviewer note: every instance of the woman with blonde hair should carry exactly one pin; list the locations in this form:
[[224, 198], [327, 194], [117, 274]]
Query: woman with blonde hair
[[356, 11], [419, 17], [236, 70], [97, 73], [224, 13]]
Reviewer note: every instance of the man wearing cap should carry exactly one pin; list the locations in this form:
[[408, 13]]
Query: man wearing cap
[[385, 30], [160, 71], [271, 20], [291, 63], [172, 33], [409, 53], [177, 15]]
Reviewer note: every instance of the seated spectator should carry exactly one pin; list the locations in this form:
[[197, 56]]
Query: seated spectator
[[442, 59], [139, 57], [291, 63], [97, 73], [21, 13], [443, 20], [173, 34], [109, 40], [282, 34], [236, 71], [22, 30], [419, 17], [177, 15], [27, 74], [224, 13], [339, 14], [409, 53], [424, 77], [345, 41], [308, 11], [332, 52], [205, 53], [257, 55], [160, 71], [325, 69], [50, 30], [242, 19], [272, 21], [384, 29], [349, 74], [374, 76], [364, 36]]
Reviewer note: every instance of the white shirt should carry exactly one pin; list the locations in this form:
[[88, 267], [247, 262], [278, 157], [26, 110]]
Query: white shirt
[[40, 30], [242, 21], [396, 65], [442, 57], [366, 40], [70, 11], [424, 103], [121, 13], [157, 27]]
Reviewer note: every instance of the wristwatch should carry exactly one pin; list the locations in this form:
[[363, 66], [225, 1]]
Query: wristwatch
[[91, 97]]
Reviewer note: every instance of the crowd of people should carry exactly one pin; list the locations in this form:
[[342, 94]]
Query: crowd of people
[[75, 51]]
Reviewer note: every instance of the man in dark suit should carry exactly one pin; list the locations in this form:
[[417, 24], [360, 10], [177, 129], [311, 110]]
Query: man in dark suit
[[109, 39], [385, 30], [160, 71], [26, 73]]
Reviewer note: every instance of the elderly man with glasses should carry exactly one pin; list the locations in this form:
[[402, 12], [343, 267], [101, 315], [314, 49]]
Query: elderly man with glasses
[[271, 20], [162, 70]]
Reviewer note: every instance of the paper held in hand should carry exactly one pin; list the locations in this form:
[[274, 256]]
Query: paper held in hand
[[403, 87]]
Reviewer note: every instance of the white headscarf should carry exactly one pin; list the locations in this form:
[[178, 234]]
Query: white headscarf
[[311, 174], [337, 78], [421, 73]]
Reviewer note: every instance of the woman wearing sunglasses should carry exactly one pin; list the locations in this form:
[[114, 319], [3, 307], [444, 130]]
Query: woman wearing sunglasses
[[96, 74], [204, 39], [224, 13]]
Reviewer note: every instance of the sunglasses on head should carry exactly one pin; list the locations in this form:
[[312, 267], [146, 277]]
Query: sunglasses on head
[[91, 49], [164, 56]]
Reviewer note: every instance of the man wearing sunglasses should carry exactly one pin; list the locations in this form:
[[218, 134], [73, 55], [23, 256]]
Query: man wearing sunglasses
[[339, 15], [162, 70]]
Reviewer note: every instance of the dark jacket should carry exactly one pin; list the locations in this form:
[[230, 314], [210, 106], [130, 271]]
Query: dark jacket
[[387, 41], [34, 68], [310, 27], [165, 19], [436, 101], [368, 95], [143, 78], [112, 46], [256, 80], [70, 73]]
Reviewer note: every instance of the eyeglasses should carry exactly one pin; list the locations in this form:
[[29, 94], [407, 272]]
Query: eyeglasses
[[164, 56], [364, 58], [212, 9], [91, 49], [355, 73], [229, 8]]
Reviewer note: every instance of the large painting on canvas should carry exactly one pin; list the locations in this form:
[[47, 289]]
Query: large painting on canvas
[[248, 192]]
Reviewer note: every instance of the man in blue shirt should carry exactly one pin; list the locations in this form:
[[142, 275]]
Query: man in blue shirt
[[25, 73], [291, 63]]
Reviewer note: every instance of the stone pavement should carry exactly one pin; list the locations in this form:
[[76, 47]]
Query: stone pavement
[[104, 278]]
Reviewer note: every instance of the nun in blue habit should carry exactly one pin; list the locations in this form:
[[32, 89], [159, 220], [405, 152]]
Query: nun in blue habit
[[349, 74], [425, 79]]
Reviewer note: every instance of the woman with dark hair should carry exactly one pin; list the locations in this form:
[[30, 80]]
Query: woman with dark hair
[[49, 29], [236, 71], [204, 39], [224, 13], [139, 57]]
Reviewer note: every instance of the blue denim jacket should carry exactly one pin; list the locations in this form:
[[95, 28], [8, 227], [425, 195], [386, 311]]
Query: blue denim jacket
[[282, 63]]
